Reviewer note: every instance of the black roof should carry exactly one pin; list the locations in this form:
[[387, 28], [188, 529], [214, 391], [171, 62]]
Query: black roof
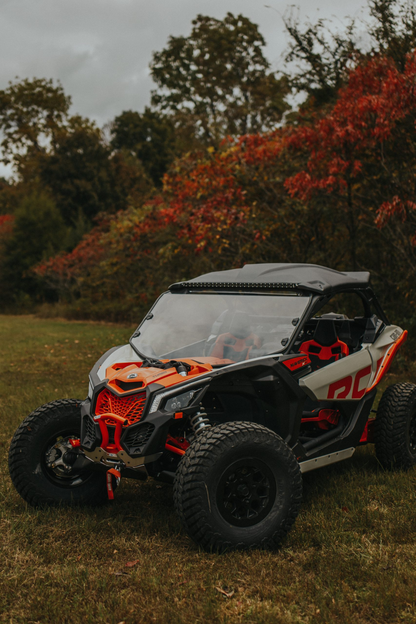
[[310, 277]]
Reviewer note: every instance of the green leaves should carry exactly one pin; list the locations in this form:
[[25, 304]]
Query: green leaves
[[219, 77], [31, 114], [150, 136]]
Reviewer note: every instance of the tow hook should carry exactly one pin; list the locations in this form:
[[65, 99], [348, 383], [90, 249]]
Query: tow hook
[[117, 474]]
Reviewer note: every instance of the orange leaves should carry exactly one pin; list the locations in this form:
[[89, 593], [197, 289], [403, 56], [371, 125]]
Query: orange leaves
[[226, 206], [205, 198], [208, 197], [376, 98]]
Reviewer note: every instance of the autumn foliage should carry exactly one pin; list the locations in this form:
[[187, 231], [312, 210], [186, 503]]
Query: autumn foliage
[[311, 192], [6, 222], [366, 114]]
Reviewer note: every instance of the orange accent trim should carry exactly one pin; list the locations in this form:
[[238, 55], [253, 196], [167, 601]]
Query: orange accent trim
[[119, 419], [165, 377], [325, 353], [179, 445], [296, 362], [174, 449], [117, 475], [128, 407], [323, 417], [368, 433], [105, 441], [178, 415], [388, 359]]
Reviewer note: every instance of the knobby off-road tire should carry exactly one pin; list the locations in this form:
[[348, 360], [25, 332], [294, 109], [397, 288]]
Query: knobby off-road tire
[[238, 486], [395, 427], [39, 484]]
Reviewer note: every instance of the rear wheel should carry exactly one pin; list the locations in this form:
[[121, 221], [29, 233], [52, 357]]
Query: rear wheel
[[238, 486], [395, 427], [43, 463]]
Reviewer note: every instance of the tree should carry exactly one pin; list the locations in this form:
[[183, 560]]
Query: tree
[[323, 59], [38, 232], [393, 30], [32, 113], [150, 136], [219, 80], [336, 188], [81, 175], [360, 161], [218, 210], [66, 156]]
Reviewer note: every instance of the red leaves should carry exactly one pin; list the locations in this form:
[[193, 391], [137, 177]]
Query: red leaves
[[396, 206], [6, 229], [6, 224], [237, 199], [376, 98], [6, 220], [87, 253], [205, 198]]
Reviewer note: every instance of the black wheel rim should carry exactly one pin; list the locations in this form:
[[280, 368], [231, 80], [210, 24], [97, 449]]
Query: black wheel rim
[[71, 479], [246, 492], [412, 434]]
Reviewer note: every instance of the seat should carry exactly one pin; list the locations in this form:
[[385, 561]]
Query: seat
[[325, 347], [237, 343]]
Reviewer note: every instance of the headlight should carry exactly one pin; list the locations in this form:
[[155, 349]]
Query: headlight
[[180, 401], [174, 403]]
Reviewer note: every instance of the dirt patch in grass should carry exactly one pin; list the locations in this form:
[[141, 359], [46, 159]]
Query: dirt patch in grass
[[349, 558]]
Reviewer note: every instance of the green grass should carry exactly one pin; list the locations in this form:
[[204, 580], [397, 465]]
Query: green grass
[[350, 557]]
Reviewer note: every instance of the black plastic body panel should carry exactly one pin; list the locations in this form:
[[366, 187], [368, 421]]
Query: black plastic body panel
[[350, 434]]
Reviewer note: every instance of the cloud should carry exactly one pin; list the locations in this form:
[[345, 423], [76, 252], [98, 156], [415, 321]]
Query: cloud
[[100, 49]]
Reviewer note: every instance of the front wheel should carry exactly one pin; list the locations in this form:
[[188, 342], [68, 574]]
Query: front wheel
[[238, 486], [43, 464]]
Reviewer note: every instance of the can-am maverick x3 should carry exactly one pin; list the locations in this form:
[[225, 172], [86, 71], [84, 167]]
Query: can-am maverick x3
[[234, 384]]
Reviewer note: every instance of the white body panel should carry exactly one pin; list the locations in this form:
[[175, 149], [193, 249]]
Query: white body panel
[[326, 460], [350, 377]]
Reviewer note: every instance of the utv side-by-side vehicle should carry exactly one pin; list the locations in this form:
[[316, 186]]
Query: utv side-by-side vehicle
[[234, 384]]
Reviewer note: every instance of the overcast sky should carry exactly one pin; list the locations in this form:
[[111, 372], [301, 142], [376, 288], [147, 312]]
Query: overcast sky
[[100, 49]]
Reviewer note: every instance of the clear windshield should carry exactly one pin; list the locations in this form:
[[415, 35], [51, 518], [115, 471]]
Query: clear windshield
[[229, 327]]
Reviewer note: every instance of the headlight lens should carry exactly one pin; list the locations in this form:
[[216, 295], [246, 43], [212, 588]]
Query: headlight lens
[[180, 401], [174, 403]]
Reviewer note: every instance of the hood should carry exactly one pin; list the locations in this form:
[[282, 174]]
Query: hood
[[125, 377]]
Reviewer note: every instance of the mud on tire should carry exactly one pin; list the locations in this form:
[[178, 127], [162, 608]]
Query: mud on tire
[[37, 483], [395, 427], [238, 486]]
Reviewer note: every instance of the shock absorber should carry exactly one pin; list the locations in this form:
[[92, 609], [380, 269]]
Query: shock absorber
[[199, 422]]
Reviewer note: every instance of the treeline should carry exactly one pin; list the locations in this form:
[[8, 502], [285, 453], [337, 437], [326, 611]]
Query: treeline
[[219, 171]]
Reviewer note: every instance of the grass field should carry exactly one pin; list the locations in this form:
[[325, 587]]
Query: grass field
[[350, 557]]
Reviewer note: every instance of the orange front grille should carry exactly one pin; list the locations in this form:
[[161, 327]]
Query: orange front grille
[[129, 407]]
